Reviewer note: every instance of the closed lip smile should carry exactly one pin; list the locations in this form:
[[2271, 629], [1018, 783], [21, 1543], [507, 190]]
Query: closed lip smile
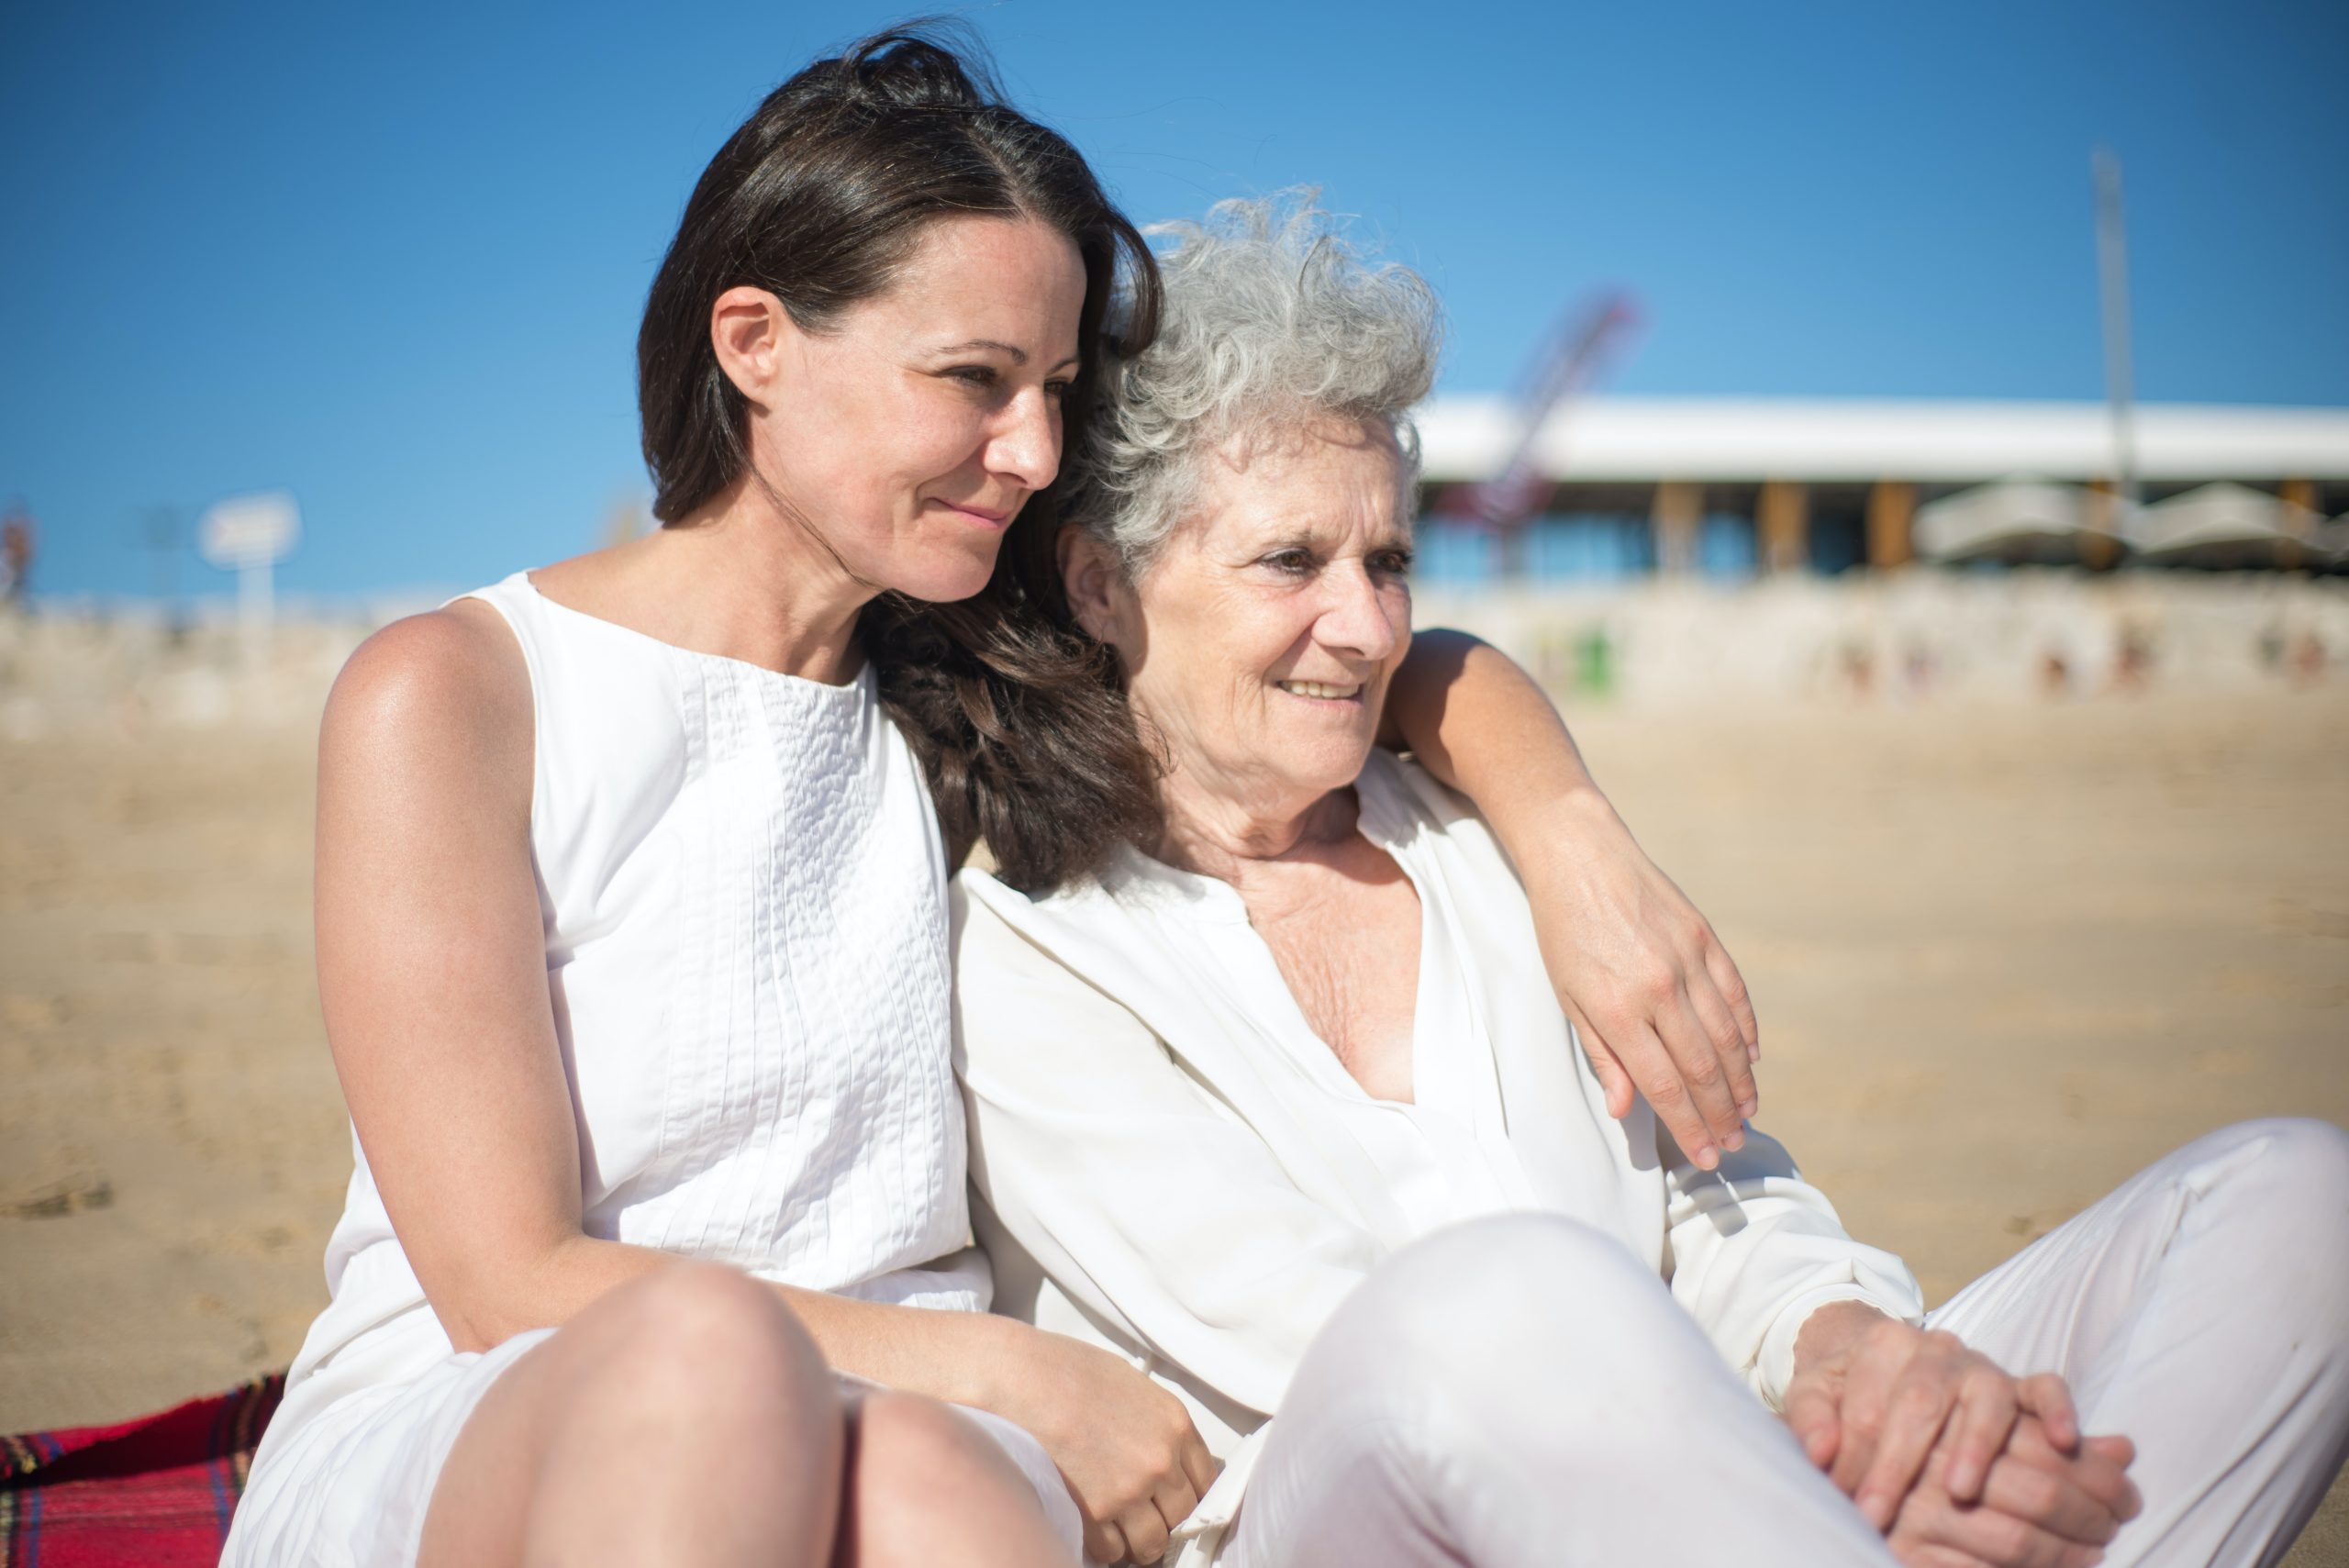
[[991, 518]]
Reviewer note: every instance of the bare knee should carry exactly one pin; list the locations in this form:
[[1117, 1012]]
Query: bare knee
[[927, 1485], [910, 1435], [700, 1367], [717, 1325], [696, 1343]]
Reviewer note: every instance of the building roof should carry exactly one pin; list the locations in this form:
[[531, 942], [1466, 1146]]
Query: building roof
[[1639, 439]]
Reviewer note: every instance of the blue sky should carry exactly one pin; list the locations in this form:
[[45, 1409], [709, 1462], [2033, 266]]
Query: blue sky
[[392, 259]]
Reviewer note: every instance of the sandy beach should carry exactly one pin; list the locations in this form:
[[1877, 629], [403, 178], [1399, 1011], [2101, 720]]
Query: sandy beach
[[2004, 955]]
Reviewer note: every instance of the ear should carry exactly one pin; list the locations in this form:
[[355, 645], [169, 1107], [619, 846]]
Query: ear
[[749, 329], [1094, 582]]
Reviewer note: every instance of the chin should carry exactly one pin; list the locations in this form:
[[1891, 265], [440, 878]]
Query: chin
[[944, 577], [1328, 770]]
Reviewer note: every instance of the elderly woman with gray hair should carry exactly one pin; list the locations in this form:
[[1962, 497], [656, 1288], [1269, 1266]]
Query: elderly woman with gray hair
[[1268, 1093]]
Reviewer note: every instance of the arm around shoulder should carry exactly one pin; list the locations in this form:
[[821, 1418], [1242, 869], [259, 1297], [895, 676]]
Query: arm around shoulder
[[1659, 1006]]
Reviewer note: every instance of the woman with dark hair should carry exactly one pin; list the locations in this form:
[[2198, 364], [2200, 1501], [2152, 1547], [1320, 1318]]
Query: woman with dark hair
[[631, 924]]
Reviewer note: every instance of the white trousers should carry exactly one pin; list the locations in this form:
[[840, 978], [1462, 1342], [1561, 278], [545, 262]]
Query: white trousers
[[1519, 1391]]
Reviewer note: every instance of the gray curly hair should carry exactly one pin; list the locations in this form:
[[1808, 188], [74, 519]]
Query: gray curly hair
[[1270, 321]]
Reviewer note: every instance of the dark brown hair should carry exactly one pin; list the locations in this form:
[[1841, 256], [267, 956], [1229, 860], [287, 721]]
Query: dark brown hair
[[1020, 718], [822, 195], [818, 198]]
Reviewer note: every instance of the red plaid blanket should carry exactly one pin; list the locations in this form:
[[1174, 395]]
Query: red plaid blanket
[[154, 1493]]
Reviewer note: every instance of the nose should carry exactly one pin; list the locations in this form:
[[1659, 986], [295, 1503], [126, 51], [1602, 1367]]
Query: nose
[[1024, 445], [1361, 617]]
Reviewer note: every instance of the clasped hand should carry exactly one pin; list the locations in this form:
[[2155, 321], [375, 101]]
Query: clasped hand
[[1958, 1464]]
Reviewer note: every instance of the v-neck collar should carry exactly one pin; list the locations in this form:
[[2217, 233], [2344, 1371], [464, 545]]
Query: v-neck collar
[[1453, 1073]]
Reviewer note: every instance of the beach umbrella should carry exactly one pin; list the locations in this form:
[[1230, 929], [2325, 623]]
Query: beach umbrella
[[2226, 526], [2330, 548], [2015, 520]]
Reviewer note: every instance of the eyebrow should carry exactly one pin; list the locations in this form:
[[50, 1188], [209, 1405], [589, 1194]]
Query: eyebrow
[[1295, 538], [1018, 355]]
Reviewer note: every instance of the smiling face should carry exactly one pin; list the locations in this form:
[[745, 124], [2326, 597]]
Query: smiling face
[[910, 431], [1260, 640]]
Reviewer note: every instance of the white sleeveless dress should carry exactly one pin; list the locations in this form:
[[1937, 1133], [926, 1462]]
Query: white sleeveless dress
[[743, 892]]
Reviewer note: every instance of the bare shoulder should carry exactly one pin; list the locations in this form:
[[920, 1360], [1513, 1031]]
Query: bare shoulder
[[441, 697]]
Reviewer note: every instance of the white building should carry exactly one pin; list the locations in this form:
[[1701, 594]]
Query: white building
[[1726, 485]]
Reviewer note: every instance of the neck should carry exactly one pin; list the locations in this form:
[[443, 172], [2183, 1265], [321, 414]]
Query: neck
[[747, 579], [1228, 833]]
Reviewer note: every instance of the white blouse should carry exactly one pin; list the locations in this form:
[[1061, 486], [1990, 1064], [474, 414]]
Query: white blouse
[[1173, 1166]]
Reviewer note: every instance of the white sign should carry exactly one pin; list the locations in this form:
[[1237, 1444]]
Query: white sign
[[246, 532], [246, 535]]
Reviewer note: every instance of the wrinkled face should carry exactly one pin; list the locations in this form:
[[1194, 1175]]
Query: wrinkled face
[[1261, 641], [910, 432]]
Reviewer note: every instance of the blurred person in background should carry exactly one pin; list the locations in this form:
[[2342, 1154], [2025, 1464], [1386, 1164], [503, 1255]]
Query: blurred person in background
[[17, 539], [631, 920], [1270, 1096]]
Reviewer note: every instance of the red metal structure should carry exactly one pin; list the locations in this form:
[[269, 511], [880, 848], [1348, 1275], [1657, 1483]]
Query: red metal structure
[[1565, 363]]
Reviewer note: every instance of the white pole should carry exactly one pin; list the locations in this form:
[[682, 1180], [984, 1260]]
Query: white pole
[[256, 607], [2113, 274]]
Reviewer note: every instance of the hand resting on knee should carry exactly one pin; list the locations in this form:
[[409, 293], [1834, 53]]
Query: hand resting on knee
[[2040, 1507], [1955, 1459], [1134, 1464]]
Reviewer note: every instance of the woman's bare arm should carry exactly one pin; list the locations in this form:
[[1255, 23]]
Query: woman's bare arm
[[1656, 998], [432, 970], [432, 973]]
